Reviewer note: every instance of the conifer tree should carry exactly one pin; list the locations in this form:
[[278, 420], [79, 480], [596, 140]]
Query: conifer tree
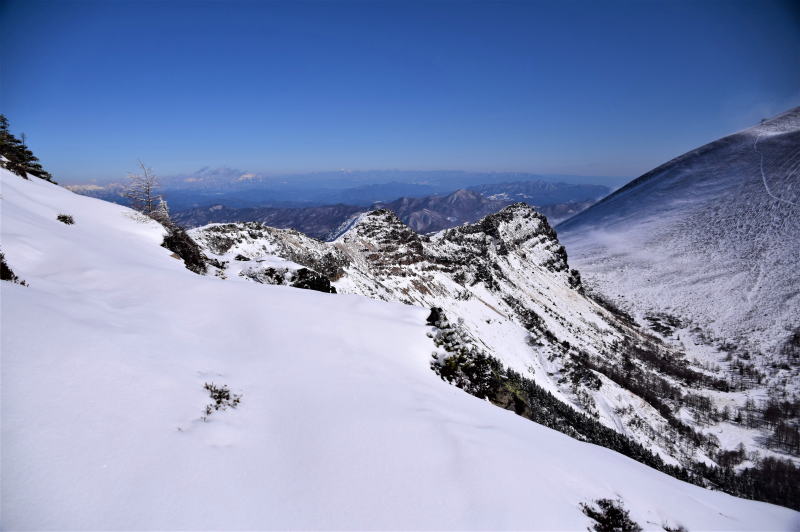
[[18, 157]]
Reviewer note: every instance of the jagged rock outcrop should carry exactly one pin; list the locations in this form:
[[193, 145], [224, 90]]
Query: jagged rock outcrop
[[180, 243], [506, 281]]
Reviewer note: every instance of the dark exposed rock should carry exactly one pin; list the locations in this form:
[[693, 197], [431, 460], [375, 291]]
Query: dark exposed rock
[[311, 280], [300, 278], [187, 249]]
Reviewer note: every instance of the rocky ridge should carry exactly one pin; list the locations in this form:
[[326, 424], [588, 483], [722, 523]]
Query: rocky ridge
[[506, 283]]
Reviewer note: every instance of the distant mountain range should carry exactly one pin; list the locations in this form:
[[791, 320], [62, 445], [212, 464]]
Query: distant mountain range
[[139, 394], [238, 189], [540, 192], [557, 201], [431, 361]]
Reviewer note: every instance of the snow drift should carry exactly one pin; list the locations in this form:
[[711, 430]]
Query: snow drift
[[342, 423], [712, 236]]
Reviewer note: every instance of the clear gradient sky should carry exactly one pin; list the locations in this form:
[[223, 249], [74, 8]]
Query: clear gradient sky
[[595, 88]]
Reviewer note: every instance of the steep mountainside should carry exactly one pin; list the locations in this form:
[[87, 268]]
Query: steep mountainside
[[711, 238], [705, 248], [138, 395], [505, 286]]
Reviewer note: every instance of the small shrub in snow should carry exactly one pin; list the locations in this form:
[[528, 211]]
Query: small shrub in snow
[[222, 397], [435, 317], [610, 516], [6, 274], [65, 218]]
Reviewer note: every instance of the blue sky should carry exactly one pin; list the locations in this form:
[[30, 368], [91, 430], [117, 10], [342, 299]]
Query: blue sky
[[593, 88]]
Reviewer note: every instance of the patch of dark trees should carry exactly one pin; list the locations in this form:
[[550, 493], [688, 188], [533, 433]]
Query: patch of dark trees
[[791, 348], [743, 374], [7, 274], [664, 324], [609, 515], [771, 480], [667, 363], [19, 159], [779, 416], [655, 390], [611, 307]]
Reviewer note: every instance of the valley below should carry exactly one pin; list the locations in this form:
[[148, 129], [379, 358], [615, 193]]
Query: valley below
[[397, 369]]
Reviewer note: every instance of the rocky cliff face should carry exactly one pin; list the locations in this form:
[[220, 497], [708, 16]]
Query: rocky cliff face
[[505, 284]]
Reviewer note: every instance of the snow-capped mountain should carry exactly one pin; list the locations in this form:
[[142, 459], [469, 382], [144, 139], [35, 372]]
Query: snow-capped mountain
[[338, 420], [327, 412], [505, 282], [711, 238]]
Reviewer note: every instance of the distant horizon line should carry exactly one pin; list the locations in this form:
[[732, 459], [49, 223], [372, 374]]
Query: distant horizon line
[[267, 174]]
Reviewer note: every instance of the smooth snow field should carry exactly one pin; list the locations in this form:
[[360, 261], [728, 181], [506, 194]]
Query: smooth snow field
[[712, 236], [342, 424]]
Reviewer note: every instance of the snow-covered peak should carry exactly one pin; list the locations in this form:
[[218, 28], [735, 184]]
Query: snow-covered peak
[[517, 228], [505, 279], [711, 237], [109, 352], [514, 225], [381, 225]]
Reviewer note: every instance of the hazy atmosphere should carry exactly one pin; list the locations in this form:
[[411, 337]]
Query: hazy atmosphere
[[567, 87], [380, 265]]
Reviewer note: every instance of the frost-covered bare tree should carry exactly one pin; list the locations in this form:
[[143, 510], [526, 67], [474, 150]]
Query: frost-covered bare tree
[[161, 212], [141, 191]]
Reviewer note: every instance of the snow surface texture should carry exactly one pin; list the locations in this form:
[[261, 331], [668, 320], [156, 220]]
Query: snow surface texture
[[712, 236], [342, 424], [504, 280]]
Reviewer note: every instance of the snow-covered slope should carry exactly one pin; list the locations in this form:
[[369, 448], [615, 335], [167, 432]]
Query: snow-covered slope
[[711, 237], [341, 424], [506, 284]]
